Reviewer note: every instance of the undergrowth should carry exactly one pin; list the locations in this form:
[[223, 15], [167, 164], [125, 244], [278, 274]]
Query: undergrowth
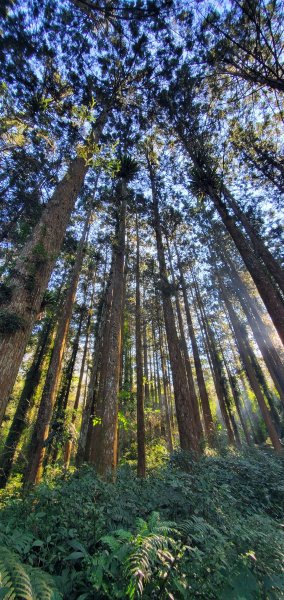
[[209, 529]]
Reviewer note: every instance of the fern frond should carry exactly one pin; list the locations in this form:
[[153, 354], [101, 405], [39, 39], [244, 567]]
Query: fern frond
[[22, 582]]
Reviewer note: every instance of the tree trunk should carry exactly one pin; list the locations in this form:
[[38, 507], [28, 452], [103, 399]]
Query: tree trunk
[[259, 247], [32, 272], [141, 464], [184, 348], [25, 403], [41, 430], [187, 433], [69, 443], [216, 366], [243, 349], [85, 437], [104, 445], [267, 291], [271, 358], [206, 410]]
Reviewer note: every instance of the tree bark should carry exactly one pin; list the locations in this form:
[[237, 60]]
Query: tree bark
[[25, 403], [187, 433], [41, 429], [141, 462], [184, 348], [206, 410], [33, 270], [216, 366], [245, 357], [260, 276], [104, 444]]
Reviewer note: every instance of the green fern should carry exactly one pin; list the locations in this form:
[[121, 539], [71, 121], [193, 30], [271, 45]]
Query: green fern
[[22, 582], [153, 552]]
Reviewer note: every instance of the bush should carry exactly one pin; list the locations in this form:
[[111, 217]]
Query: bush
[[206, 529]]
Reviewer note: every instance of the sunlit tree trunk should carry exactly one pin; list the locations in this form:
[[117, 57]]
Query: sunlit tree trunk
[[246, 359], [188, 436], [20, 419], [216, 366], [41, 429], [33, 269]]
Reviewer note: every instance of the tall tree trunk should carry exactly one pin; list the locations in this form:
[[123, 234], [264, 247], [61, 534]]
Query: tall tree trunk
[[271, 358], [141, 464], [216, 366], [145, 363], [260, 276], [184, 348], [25, 403], [86, 430], [58, 418], [69, 443], [186, 426], [258, 245], [243, 346], [32, 272], [206, 410], [41, 429], [168, 428], [104, 444]]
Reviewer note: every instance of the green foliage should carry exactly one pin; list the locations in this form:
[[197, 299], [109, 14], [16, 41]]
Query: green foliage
[[22, 582], [193, 529]]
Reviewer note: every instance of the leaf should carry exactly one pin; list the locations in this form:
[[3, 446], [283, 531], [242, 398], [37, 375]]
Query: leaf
[[38, 543], [75, 556]]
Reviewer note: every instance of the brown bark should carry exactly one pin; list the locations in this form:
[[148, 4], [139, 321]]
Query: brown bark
[[41, 429], [33, 270], [20, 419], [270, 296], [184, 348], [141, 462], [206, 410], [104, 444], [187, 433], [168, 429], [246, 359], [216, 366], [259, 247], [272, 359], [69, 443]]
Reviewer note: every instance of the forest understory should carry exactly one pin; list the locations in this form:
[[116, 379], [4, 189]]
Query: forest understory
[[209, 529], [141, 299]]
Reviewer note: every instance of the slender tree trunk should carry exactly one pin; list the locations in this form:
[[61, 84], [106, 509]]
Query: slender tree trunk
[[259, 247], [216, 366], [206, 410], [271, 358], [260, 276], [33, 270], [187, 433], [141, 464], [243, 349], [145, 362], [69, 443], [104, 446], [58, 419], [166, 399], [101, 345], [25, 403], [41, 430], [184, 348]]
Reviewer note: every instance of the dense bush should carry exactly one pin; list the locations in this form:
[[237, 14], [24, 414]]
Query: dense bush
[[209, 529]]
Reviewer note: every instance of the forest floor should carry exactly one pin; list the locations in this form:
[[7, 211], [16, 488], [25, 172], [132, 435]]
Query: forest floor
[[209, 529]]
